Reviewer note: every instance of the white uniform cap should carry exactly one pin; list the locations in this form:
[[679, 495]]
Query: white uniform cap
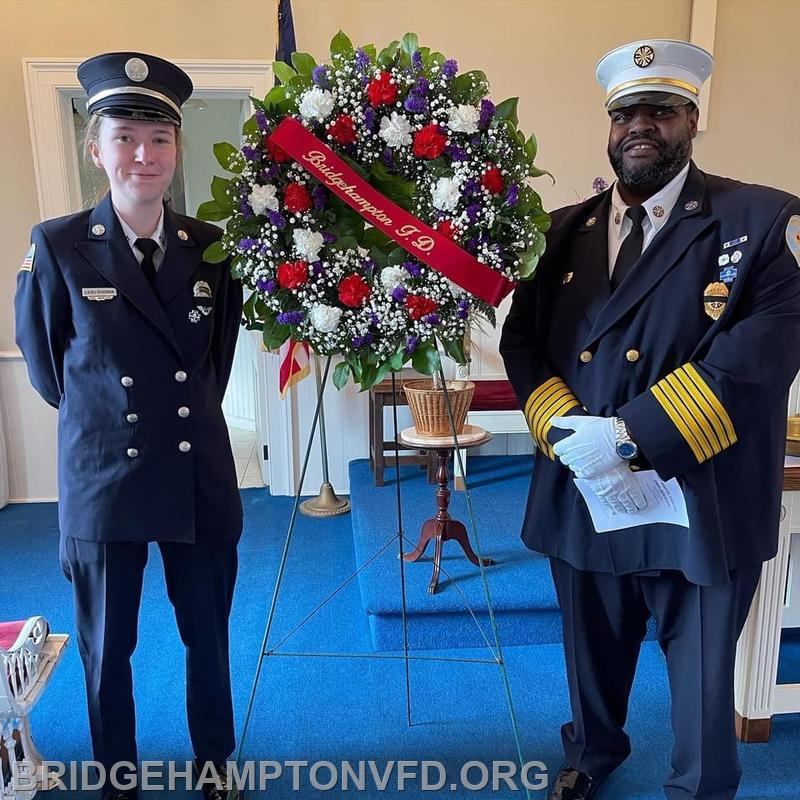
[[656, 71]]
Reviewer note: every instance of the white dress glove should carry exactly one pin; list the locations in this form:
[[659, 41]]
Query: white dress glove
[[591, 450], [591, 454]]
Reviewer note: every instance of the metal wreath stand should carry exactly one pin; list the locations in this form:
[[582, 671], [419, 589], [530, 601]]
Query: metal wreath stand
[[268, 650]]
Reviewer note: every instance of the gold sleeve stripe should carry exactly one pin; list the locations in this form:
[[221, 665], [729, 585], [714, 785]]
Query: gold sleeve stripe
[[692, 414], [550, 399], [695, 411], [713, 400]]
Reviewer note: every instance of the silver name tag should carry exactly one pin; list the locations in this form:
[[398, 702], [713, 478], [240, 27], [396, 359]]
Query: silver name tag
[[100, 293]]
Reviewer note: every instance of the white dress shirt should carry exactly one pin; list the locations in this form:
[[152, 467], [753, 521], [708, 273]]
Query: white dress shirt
[[157, 236], [658, 208]]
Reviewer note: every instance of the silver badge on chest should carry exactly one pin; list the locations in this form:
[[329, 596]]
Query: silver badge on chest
[[203, 301]]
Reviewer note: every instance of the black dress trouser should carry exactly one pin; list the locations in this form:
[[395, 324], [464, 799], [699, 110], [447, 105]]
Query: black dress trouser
[[106, 580], [605, 620]]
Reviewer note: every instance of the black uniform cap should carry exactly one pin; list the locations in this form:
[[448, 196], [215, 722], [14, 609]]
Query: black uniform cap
[[135, 86]]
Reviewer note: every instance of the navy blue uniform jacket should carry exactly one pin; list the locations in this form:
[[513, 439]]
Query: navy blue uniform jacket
[[133, 376], [705, 399]]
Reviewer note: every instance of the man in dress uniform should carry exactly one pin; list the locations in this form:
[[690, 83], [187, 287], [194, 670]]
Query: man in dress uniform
[[130, 334], [661, 332]]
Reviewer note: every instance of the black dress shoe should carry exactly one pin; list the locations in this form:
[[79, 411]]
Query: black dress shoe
[[218, 790], [571, 784]]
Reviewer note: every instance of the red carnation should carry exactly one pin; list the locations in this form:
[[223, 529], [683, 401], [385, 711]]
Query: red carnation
[[419, 306], [353, 291], [446, 228], [382, 91], [492, 180], [296, 198], [428, 142], [278, 154], [343, 130], [292, 274]]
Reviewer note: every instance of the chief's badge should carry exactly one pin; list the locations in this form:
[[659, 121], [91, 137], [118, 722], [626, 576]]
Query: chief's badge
[[27, 262], [203, 301], [793, 237], [715, 298]]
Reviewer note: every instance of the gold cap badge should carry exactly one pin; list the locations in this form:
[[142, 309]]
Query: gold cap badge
[[715, 297]]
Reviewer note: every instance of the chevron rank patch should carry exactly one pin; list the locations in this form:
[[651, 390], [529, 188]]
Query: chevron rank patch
[[27, 262], [793, 237]]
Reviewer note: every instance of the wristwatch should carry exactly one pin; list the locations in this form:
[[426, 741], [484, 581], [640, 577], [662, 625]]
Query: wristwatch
[[626, 448]]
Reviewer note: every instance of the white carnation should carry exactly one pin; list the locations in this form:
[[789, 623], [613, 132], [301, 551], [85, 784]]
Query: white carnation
[[263, 198], [316, 104], [392, 277], [307, 243], [463, 119], [325, 318], [396, 130], [446, 193]]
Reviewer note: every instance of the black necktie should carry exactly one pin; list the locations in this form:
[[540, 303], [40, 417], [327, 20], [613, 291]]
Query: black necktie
[[631, 248], [148, 247]]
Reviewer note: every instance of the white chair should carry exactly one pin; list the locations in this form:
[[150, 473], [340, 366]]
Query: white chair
[[28, 656]]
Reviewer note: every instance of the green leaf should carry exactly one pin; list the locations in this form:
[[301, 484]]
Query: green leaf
[[274, 334], [219, 191], [228, 157], [214, 253], [410, 44], [508, 110], [379, 257], [341, 374], [303, 63], [469, 87], [374, 237], [341, 45], [283, 72], [370, 50], [397, 360], [387, 55], [250, 127], [383, 370], [426, 359], [345, 243], [531, 148], [274, 97], [211, 212], [455, 349], [397, 257], [299, 84], [535, 172]]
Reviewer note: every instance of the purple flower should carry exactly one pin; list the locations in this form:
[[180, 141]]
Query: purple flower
[[245, 208], [416, 60], [463, 308], [399, 294], [272, 172], [290, 318], [363, 341], [450, 69], [431, 319], [328, 237], [472, 186], [369, 117], [316, 267], [411, 345], [250, 153], [512, 194], [487, 112], [267, 286], [387, 156], [473, 209], [261, 121], [421, 86], [471, 245], [368, 266], [247, 244], [319, 75], [277, 219], [599, 184], [412, 268], [319, 195], [362, 59], [475, 141], [374, 319], [416, 104], [456, 153]]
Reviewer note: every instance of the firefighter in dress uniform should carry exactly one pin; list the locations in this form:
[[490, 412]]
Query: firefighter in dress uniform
[[130, 335], [661, 332]]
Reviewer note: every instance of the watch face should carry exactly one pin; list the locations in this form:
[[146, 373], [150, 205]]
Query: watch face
[[626, 450]]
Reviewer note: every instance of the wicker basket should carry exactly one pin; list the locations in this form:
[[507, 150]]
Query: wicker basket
[[429, 406]]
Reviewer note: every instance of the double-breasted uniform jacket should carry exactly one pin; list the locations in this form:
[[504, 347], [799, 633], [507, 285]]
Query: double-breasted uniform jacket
[[705, 398], [137, 373]]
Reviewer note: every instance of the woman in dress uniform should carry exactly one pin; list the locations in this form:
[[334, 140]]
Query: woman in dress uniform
[[130, 335]]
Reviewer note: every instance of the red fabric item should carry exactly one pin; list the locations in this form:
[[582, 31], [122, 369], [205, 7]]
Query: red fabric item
[[493, 396], [9, 632]]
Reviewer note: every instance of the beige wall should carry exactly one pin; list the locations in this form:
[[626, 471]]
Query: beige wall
[[544, 51]]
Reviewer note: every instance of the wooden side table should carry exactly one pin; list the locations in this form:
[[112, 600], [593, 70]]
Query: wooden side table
[[380, 397], [757, 696], [443, 528]]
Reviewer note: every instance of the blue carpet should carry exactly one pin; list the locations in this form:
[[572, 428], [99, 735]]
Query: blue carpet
[[522, 593], [340, 709]]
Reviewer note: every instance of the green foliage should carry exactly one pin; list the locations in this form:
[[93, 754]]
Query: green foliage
[[426, 359], [341, 45], [410, 44], [455, 349], [228, 157], [387, 56], [508, 110], [274, 334], [283, 72], [469, 87], [219, 191], [214, 253], [341, 375], [303, 63]]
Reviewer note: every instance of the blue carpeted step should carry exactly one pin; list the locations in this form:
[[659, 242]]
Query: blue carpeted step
[[522, 593]]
